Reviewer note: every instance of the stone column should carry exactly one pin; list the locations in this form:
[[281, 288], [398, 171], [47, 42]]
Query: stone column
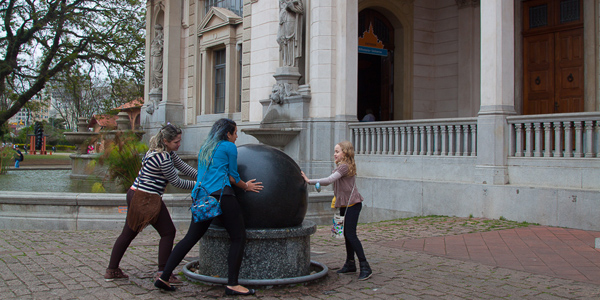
[[347, 57], [205, 83], [497, 90], [148, 108], [170, 108], [469, 47], [230, 98]]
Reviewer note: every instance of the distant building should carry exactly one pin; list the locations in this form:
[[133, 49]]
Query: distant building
[[26, 117]]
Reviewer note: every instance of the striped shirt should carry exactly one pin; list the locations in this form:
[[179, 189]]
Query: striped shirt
[[158, 169]]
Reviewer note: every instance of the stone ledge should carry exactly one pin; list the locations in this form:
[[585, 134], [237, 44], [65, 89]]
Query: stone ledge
[[83, 211]]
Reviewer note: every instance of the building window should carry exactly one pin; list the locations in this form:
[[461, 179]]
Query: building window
[[220, 72], [569, 11], [233, 5], [538, 16]]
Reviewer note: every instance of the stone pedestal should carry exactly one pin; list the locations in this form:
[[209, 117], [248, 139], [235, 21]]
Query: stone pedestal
[[289, 75], [84, 167], [269, 253], [123, 122]]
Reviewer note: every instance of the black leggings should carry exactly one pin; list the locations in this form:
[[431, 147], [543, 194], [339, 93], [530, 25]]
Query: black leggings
[[353, 245], [164, 226], [233, 222]]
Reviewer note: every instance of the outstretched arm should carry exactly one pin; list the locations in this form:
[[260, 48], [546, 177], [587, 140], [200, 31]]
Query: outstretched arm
[[323, 181]]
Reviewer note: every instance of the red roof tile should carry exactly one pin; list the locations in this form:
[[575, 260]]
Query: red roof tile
[[104, 121], [131, 104]]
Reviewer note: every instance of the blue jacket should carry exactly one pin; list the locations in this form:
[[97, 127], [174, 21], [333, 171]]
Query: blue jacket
[[223, 165]]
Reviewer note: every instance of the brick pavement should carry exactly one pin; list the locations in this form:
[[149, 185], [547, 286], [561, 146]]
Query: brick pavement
[[70, 265]]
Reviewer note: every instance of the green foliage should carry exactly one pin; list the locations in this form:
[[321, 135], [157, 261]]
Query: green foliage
[[6, 158], [98, 187], [41, 39], [122, 156]]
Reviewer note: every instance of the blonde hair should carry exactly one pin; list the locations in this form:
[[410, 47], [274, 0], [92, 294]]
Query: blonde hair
[[348, 159], [169, 132]]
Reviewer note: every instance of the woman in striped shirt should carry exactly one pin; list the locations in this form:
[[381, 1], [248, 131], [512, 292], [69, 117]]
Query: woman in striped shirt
[[158, 169]]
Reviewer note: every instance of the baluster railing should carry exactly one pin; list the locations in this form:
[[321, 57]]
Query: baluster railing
[[436, 137], [555, 135]]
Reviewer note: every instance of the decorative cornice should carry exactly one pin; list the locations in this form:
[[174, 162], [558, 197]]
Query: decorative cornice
[[467, 3], [226, 16]]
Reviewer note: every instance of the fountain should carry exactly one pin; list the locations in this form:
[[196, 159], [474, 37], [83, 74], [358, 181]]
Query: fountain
[[287, 106], [81, 162], [82, 138], [83, 165], [277, 236]]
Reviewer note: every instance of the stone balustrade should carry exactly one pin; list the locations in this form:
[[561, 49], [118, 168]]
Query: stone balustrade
[[435, 137], [555, 135]]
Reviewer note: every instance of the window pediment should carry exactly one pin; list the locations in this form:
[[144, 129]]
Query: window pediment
[[218, 17]]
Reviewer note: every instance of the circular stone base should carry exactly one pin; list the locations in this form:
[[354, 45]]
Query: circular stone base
[[318, 271], [272, 253]]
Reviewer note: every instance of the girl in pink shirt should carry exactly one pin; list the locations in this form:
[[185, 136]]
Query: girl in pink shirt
[[349, 201]]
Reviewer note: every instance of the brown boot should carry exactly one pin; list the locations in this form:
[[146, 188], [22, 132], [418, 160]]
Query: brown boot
[[112, 274]]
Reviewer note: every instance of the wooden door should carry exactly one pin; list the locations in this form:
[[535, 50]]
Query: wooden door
[[553, 57], [569, 71], [539, 74]]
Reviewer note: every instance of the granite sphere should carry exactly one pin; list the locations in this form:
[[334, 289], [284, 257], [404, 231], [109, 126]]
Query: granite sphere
[[283, 202]]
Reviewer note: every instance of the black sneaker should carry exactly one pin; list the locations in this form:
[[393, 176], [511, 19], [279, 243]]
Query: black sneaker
[[365, 271], [349, 267]]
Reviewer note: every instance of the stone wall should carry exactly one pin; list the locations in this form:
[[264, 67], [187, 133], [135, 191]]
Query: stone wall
[[401, 187], [73, 211]]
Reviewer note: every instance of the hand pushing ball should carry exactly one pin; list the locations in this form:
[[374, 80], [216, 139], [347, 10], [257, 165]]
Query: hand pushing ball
[[283, 202]]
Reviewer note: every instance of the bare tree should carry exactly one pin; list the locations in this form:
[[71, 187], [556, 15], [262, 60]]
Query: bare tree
[[40, 39], [78, 93]]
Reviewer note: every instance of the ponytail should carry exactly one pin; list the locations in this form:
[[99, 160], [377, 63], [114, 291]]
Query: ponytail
[[168, 132]]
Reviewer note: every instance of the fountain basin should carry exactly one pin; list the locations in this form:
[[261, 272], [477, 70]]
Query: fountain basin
[[318, 271], [276, 137], [270, 255], [80, 139]]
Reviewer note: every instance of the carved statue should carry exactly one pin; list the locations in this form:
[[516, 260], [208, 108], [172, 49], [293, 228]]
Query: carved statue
[[280, 91], [156, 51], [289, 36]]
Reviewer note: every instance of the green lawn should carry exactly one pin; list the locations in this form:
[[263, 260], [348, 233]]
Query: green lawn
[[61, 158]]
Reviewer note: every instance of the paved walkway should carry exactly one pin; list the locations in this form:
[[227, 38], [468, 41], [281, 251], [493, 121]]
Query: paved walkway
[[421, 258], [558, 252]]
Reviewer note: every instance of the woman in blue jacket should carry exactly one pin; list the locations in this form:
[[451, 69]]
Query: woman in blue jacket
[[219, 146]]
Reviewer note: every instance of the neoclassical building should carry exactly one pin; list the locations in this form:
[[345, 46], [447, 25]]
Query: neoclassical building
[[483, 108]]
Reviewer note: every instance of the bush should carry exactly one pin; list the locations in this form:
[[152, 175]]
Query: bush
[[122, 157], [6, 158]]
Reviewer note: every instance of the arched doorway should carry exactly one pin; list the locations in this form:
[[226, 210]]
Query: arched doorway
[[375, 66]]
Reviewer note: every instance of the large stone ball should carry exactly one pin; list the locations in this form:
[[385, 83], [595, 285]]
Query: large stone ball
[[284, 199]]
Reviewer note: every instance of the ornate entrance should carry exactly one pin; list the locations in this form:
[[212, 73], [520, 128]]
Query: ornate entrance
[[375, 66], [553, 56]]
